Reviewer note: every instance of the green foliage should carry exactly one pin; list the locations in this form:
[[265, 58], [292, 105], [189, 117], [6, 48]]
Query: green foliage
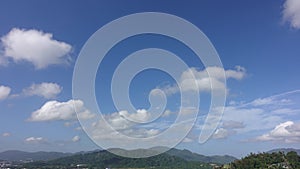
[[293, 159], [190, 156], [103, 159], [275, 160]]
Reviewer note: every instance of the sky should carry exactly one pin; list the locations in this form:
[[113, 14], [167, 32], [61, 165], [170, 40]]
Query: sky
[[257, 43]]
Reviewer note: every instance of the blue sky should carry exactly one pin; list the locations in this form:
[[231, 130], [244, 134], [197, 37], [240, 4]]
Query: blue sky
[[257, 42]]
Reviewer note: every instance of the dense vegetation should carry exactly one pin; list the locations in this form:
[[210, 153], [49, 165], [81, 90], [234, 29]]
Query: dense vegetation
[[275, 160], [190, 156], [187, 155], [173, 159], [103, 159]]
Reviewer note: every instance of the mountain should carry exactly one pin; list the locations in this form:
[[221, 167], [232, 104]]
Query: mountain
[[105, 159], [190, 156], [285, 150], [14, 155], [187, 155]]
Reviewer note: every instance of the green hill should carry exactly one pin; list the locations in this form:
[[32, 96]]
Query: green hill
[[275, 160], [105, 159], [187, 155], [190, 156]]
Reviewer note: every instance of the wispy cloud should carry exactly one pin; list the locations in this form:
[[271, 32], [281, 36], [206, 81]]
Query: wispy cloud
[[261, 114]]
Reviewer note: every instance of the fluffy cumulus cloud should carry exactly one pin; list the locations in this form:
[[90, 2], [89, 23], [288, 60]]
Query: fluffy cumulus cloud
[[54, 110], [288, 132], [76, 139], [46, 90], [205, 80], [291, 13], [35, 140], [34, 46], [119, 120], [4, 92], [141, 115], [210, 77]]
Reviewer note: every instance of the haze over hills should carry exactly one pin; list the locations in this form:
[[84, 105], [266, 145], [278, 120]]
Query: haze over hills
[[15, 155], [186, 155], [190, 156], [172, 158], [105, 159]]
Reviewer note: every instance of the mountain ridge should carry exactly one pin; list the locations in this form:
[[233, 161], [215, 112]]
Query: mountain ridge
[[16, 155]]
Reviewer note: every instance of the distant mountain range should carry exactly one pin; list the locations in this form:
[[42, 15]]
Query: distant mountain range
[[178, 154], [105, 159], [186, 155], [15, 155]]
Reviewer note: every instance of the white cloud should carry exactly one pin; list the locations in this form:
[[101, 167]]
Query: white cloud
[[54, 110], [221, 133], [35, 140], [291, 13], [288, 132], [167, 113], [257, 115], [36, 47], [249, 118], [121, 126], [76, 139], [215, 72], [228, 127], [6, 134], [141, 115], [152, 132], [118, 120], [203, 81], [264, 101], [187, 140], [46, 90], [4, 92]]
